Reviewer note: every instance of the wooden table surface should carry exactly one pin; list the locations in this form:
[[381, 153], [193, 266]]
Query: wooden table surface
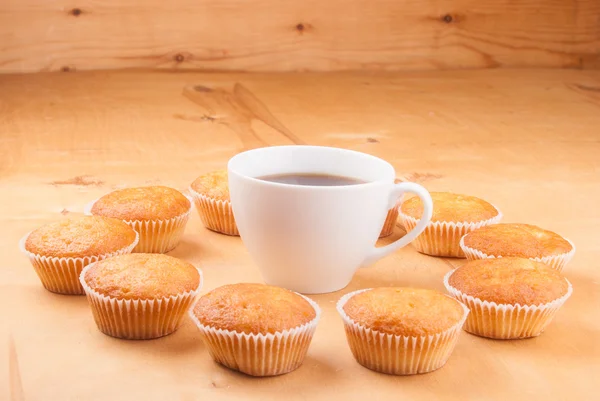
[[528, 141]]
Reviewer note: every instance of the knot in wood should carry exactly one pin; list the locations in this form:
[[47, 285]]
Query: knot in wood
[[447, 18]]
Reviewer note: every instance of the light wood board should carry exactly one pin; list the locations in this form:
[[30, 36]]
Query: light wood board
[[528, 141], [307, 35]]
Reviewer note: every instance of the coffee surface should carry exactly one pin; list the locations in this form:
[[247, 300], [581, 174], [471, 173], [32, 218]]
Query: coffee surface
[[312, 179]]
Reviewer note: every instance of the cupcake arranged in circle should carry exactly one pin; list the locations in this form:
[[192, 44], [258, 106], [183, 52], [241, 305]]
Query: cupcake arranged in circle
[[519, 240], [509, 297], [60, 250], [390, 222], [392, 217], [454, 215], [140, 296], [401, 331], [211, 197], [159, 214], [256, 329]]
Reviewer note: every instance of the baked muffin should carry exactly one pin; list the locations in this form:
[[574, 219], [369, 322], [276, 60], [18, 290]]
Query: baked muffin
[[59, 251], [257, 329], [141, 295], [159, 214], [454, 215], [211, 197], [401, 331], [520, 240], [392, 217], [509, 297], [390, 222]]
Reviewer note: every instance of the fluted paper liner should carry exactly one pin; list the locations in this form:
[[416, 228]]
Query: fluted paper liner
[[506, 321], [138, 319], [61, 274], [442, 238], [216, 214], [557, 262], [396, 354], [390, 222], [268, 354], [156, 236]]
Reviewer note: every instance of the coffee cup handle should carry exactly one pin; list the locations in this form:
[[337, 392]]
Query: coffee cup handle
[[397, 191]]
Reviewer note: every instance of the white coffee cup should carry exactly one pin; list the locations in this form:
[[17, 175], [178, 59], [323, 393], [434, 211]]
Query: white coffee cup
[[312, 239]]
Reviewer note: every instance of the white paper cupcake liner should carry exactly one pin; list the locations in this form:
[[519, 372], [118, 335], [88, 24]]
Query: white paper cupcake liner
[[395, 354], [61, 274], [216, 214], [390, 222], [138, 319], [506, 321], [442, 238], [268, 354], [156, 236], [557, 262]]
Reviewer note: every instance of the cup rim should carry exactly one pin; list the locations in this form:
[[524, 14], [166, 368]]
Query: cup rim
[[232, 170]]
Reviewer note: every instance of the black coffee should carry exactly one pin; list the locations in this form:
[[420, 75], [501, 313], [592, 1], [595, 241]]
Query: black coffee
[[319, 180]]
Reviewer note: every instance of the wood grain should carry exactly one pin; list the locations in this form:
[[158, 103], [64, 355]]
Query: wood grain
[[16, 387], [311, 35], [528, 141], [236, 109]]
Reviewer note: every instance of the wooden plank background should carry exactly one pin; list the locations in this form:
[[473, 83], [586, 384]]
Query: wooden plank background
[[310, 35]]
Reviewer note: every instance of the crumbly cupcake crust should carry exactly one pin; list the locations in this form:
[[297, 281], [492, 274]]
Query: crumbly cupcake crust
[[253, 309], [451, 207], [520, 240], [404, 311], [142, 276], [509, 280], [142, 203], [80, 236], [213, 185]]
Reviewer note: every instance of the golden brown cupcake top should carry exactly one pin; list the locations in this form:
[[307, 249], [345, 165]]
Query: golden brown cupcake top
[[404, 311], [142, 203], [451, 207], [523, 240], [253, 308], [142, 276], [509, 281], [213, 184], [80, 236]]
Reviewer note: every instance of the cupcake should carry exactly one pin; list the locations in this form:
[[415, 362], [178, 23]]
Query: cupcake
[[509, 297], [454, 215], [60, 250], [392, 217], [401, 331], [159, 215], [390, 222], [140, 296], [520, 240], [256, 329], [211, 196]]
